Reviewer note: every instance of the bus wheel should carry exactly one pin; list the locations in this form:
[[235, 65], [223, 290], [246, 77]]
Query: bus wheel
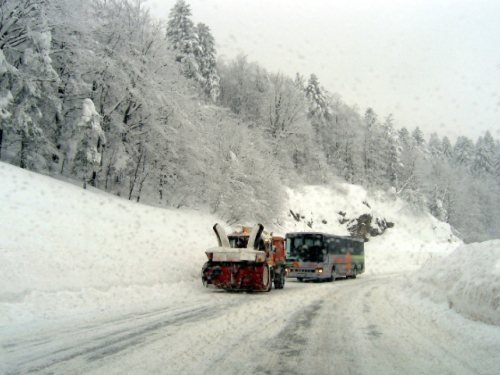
[[332, 277], [355, 273], [299, 279]]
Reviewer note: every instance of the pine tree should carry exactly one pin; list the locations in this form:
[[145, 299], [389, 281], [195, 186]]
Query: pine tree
[[447, 148], [404, 137], [374, 146], [300, 82], [318, 98], [394, 150], [435, 146], [206, 56], [418, 138], [463, 152], [181, 34], [484, 154]]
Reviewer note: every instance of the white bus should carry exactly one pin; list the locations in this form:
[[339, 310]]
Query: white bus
[[321, 256]]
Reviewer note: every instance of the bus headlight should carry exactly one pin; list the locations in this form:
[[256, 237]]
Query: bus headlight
[[319, 270]]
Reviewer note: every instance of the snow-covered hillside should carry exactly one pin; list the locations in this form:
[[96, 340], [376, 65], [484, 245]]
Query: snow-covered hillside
[[65, 251]]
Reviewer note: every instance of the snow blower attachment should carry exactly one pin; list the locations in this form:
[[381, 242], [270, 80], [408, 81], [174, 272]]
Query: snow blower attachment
[[246, 260]]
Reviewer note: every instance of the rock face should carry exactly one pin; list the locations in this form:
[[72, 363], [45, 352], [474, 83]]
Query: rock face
[[363, 228]]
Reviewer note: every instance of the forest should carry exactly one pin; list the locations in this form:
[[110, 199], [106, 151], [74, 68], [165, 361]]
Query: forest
[[102, 92]]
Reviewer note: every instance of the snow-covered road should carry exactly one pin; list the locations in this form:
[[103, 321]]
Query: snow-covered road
[[362, 326]]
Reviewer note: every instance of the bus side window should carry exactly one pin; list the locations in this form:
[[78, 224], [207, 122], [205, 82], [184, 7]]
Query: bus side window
[[331, 248], [344, 247]]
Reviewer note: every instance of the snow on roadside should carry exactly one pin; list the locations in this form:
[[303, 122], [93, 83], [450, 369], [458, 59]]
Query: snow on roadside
[[467, 280], [65, 250]]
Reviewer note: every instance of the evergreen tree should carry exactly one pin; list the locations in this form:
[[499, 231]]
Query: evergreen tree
[[447, 148], [374, 146], [318, 98], [300, 82], [484, 155], [435, 146], [181, 33], [418, 138], [206, 57], [394, 150], [404, 137], [463, 152]]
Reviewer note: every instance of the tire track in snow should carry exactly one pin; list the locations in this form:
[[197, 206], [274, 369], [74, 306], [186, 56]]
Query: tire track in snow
[[287, 349], [95, 342]]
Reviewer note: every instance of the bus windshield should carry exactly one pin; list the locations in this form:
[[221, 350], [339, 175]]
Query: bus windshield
[[306, 248]]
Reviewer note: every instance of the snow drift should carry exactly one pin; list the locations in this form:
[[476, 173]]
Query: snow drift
[[467, 280]]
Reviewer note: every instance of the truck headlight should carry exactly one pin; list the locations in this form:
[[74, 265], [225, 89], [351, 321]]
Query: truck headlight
[[319, 270]]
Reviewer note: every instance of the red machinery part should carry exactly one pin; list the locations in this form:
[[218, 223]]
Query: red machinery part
[[237, 276]]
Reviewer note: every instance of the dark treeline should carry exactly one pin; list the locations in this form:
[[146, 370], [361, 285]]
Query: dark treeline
[[100, 91]]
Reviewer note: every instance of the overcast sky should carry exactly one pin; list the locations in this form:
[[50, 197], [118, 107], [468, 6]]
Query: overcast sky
[[431, 63]]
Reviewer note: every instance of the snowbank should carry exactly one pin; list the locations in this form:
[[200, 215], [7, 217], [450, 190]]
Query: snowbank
[[64, 249], [467, 280]]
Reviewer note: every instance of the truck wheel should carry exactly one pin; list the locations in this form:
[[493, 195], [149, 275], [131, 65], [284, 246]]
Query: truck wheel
[[279, 280], [283, 278], [267, 272]]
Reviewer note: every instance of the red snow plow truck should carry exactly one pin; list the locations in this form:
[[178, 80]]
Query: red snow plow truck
[[248, 259]]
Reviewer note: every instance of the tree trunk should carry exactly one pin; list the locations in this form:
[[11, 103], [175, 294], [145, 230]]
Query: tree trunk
[[24, 157], [92, 181], [134, 178], [1, 139], [141, 183]]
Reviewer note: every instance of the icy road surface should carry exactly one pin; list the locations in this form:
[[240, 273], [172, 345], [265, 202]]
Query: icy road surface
[[361, 326]]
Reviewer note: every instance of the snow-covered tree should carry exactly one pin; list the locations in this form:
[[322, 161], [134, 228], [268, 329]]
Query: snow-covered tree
[[287, 108], [5, 97], [206, 56], [418, 139], [436, 205], [393, 149], [405, 137], [89, 138], [447, 148], [374, 148], [244, 87], [28, 80], [182, 35], [484, 155], [300, 82], [435, 146], [463, 152], [318, 98]]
